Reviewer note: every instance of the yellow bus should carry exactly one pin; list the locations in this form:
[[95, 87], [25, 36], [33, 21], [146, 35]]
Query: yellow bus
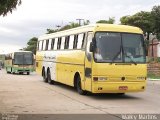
[[100, 58], [19, 62]]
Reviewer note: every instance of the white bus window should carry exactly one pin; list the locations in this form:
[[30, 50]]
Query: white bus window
[[55, 44], [52, 43], [49, 44], [71, 42], [62, 43], [44, 44], [80, 41], [89, 40], [40, 45], [66, 46]]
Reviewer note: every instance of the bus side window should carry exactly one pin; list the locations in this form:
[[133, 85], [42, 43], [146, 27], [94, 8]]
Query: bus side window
[[55, 43], [80, 40], [71, 40], [59, 43], [83, 41], [52, 43], [47, 42], [66, 46], [62, 43], [44, 44], [75, 41], [40, 45]]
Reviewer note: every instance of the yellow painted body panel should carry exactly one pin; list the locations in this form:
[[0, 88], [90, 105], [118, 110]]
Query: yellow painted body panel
[[68, 63], [39, 61], [114, 73]]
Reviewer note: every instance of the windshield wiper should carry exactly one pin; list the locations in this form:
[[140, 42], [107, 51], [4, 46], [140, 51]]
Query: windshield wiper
[[116, 55], [131, 59]]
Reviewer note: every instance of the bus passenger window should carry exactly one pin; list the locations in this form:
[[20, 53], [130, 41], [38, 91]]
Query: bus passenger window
[[82, 46], [40, 45], [55, 44], [66, 46], [52, 44], [44, 44], [62, 43], [75, 41], [71, 40], [47, 42], [80, 41], [59, 43]]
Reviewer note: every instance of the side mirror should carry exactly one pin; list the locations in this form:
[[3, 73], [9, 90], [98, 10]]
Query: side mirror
[[91, 47]]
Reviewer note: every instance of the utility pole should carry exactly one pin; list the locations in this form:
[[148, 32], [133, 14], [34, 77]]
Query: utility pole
[[79, 21]]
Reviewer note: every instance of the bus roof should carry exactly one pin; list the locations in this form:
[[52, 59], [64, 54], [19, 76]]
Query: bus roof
[[94, 28]]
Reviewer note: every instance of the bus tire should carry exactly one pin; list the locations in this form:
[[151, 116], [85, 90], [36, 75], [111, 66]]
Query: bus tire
[[120, 94], [50, 81], [44, 76], [28, 73], [79, 88]]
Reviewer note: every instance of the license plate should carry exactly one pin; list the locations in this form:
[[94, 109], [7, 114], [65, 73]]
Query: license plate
[[123, 87]]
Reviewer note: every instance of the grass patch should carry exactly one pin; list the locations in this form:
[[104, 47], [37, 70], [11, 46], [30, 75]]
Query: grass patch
[[153, 76]]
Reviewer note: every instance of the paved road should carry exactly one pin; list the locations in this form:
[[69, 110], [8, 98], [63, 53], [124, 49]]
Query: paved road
[[28, 94]]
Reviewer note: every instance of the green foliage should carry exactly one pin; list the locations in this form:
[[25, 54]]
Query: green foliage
[[141, 19], [8, 6], [109, 21], [32, 44], [156, 16], [66, 27], [153, 76]]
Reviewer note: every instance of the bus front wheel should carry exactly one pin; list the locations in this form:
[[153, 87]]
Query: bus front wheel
[[79, 88]]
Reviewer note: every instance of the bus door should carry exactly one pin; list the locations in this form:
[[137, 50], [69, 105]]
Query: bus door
[[88, 63]]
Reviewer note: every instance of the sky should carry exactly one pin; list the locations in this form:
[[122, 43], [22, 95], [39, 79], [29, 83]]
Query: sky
[[33, 17]]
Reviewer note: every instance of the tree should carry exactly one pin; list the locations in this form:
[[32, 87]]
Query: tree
[[51, 31], [156, 20], [32, 45], [8, 6], [142, 19], [109, 21]]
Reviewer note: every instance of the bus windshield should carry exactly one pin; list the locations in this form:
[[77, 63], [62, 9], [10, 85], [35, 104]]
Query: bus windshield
[[119, 47], [23, 58]]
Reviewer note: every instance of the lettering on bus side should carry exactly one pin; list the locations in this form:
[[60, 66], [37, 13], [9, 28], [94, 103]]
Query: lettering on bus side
[[88, 72]]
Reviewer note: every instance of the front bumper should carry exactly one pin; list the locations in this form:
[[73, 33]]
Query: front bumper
[[117, 87]]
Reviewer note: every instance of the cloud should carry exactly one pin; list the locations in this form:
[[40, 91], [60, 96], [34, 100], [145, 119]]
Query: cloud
[[33, 17]]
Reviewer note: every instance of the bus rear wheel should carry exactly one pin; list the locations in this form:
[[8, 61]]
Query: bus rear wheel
[[44, 77], [79, 88], [50, 81], [28, 73]]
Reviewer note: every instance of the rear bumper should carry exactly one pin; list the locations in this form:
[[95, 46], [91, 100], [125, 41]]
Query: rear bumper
[[114, 87]]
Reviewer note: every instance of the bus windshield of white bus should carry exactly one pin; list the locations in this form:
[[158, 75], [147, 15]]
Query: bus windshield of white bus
[[119, 48], [23, 58]]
